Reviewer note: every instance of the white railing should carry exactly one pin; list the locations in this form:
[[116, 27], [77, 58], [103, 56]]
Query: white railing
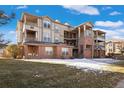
[[30, 26], [102, 38], [101, 44], [101, 47], [30, 39]]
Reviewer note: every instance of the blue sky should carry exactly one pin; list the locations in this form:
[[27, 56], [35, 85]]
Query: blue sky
[[107, 18]]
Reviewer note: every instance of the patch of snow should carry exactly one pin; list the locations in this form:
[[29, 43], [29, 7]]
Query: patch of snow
[[105, 60], [85, 64]]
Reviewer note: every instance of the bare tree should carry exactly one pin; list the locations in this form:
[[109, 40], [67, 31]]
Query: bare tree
[[4, 18], [13, 50], [3, 42]]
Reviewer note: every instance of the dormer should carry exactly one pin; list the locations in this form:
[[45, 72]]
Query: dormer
[[57, 21], [67, 24]]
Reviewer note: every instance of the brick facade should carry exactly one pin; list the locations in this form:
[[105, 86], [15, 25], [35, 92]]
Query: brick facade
[[38, 51]]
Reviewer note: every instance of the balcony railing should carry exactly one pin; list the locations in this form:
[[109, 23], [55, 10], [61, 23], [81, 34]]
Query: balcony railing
[[67, 38], [102, 38], [100, 43], [30, 40], [99, 47], [30, 26]]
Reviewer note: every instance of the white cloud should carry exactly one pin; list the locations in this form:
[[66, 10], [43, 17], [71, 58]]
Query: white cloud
[[37, 11], [106, 8], [109, 24], [89, 10], [115, 13], [12, 32], [109, 33], [121, 30], [22, 7], [117, 37], [112, 34]]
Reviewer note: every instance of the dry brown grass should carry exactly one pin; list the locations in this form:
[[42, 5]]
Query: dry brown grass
[[15, 73]]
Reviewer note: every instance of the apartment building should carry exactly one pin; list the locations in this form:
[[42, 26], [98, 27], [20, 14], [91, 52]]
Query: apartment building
[[43, 37], [114, 47]]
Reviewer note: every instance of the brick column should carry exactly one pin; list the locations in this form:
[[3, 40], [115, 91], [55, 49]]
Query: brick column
[[70, 52], [79, 40], [41, 52], [58, 52], [26, 51], [92, 44]]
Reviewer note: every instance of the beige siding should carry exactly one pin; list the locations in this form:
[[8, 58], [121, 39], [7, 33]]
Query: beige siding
[[39, 29], [19, 32]]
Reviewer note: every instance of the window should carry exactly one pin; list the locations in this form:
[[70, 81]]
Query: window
[[110, 50], [47, 36], [49, 50], [47, 39], [56, 40], [64, 51], [81, 48], [110, 44], [88, 46], [47, 24], [88, 32], [56, 29]]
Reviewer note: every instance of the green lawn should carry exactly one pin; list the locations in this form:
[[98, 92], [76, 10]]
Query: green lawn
[[22, 74]]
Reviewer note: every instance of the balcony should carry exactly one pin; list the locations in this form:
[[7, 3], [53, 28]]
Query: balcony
[[99, 47], [100, 38], [30, 26], [30, 40], [67, 38], [30, 36], [100, 43]]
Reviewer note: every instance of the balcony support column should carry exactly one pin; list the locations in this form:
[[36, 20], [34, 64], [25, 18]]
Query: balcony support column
[[84, 26], [25, 35], [78, 40], [24, 19], [79, 32], [36, 35]]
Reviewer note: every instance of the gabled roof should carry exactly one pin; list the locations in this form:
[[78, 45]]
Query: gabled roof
[[47, 17], [24, 13], [89, 23], [115, 40], [84, 24], [99, 31]]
